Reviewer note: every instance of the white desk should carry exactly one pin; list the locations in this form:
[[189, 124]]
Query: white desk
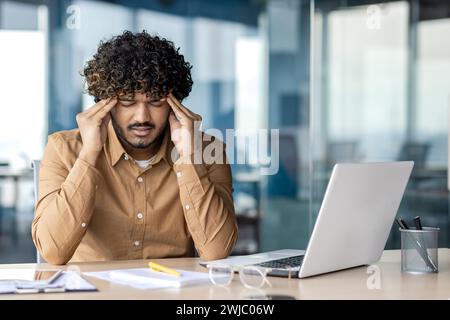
[[347, 284]]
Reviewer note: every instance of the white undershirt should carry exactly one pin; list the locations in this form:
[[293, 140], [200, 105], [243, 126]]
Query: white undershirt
[[144, 163]]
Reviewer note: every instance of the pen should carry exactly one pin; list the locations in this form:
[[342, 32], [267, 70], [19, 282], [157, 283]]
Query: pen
[[399, 223], [405, 226], [157, 267], [417, 223], [402, 224]]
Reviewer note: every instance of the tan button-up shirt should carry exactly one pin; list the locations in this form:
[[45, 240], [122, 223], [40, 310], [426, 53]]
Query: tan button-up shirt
[[116, 210]]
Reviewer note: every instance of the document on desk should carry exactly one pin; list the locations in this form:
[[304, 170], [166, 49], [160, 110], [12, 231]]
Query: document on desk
[[69, 281], [7, 288], [145, 278]]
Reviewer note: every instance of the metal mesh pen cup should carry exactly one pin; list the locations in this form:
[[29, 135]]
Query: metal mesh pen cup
[[419, 250]]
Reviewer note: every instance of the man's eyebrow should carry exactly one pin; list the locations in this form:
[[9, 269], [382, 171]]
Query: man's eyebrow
[[126, 99]]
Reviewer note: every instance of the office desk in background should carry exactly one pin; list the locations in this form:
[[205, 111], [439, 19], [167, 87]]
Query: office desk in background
[[16, 176], [347, 284], [7, 173]]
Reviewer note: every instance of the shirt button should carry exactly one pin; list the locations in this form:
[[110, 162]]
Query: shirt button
[[140, 215], [136, 243], [187, 207], [140, 179], [83, 225], [178, 174], [125, 156]]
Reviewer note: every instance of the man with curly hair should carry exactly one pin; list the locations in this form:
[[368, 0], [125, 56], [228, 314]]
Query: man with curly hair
[[127, 184]]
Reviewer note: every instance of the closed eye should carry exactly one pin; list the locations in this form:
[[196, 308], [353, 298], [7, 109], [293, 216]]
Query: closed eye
[[157, 103], [126, 103]]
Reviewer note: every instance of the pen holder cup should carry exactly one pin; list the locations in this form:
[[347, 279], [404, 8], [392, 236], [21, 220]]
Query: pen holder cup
[[419, 250]]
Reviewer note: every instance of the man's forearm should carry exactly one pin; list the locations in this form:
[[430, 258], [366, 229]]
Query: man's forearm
[[63, 214], [215, 226], [208, 209]]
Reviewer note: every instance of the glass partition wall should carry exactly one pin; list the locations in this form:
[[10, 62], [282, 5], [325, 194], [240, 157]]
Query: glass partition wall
[[23, 88], [381, 92]]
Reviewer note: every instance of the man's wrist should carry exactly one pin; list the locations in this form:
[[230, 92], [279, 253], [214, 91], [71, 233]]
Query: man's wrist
[[89, 156]]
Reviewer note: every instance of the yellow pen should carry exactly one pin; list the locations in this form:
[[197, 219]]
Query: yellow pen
[[158, 267]]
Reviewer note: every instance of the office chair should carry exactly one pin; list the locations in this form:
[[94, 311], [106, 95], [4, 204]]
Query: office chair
[[342, 151], [35, 164], [415, 151]]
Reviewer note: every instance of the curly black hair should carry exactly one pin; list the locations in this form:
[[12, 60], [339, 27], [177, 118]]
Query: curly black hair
[[130, 63]]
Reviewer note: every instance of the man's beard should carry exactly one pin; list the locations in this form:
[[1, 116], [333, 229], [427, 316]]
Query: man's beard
[[139, 145]]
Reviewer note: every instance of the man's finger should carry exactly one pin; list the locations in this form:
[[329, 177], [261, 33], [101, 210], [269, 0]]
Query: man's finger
[[98, 106], [106, 119], [174, 123], [180, 115], [104, 111], [172, 117], [183, 108]]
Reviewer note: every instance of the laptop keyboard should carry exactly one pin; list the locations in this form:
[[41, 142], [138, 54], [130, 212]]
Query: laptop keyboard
[[284, 263]]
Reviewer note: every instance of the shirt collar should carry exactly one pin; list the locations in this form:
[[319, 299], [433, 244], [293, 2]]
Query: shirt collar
[[116, 151]]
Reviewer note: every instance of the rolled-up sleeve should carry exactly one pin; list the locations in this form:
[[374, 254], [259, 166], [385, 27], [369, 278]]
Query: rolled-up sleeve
[[206, 196], [65, 203]]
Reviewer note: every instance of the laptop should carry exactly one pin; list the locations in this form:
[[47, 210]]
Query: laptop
[[352, 227]]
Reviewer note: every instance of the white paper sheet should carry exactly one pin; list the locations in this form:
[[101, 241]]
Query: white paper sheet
[[105, 275]]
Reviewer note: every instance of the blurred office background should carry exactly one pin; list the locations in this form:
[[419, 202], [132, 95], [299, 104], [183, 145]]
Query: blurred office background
[[353, 80]]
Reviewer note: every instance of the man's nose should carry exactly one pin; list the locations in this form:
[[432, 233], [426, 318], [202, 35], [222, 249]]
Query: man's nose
[[142, 113]]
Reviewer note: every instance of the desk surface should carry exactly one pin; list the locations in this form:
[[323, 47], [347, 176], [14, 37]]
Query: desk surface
[[347, 284]]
